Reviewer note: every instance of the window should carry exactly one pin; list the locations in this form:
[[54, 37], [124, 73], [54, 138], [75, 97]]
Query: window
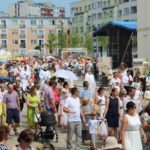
[[15, 42], [99, 5], [22, 32], [34, 32], [104, 4], [133, 10], [99, 15], [105, 14], [3, 23], [81, 18], [85, 8], [40, 22], [125, 1], [108, 2], [80, 9], [120, 1], [15, 22], [110, 13], [22, 44], [120, 13], [53, 22], [76, 29], [94, 17], [82, 30], [41, 32], [33, 42], [89, 7], [14, 32], [33, 22], [4, 43], [126, 11]]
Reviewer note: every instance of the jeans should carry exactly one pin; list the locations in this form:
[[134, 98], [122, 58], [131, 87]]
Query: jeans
[[74, 127]]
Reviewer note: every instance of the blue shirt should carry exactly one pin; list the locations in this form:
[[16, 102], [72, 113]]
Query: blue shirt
[[85, 93]]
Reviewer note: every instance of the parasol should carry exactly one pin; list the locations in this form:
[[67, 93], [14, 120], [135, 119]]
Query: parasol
[[66, 74]]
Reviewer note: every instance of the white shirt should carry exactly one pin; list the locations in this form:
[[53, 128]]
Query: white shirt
[[44, 75], [93, 126], [129, 99], [113, 81], [73, 104], [126, 79]]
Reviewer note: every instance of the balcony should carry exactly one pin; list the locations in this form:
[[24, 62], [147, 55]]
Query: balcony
[[3, 36], [3, 26], [41, 36], [22, 26], [59, 26], [22, 36], [40, 26], [23, 45]]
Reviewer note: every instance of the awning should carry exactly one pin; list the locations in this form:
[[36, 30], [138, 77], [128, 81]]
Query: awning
[[130, 26]]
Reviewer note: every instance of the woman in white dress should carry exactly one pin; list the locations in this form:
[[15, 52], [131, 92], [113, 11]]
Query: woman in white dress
[[131, 128], [91, 80]]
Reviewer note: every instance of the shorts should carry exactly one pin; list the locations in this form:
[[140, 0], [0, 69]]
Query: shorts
[[12, 115], [93, 138]]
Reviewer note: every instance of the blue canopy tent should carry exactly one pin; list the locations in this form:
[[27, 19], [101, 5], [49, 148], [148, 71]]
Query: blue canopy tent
[[120, 35]]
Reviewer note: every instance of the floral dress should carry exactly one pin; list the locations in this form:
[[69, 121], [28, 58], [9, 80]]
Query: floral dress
[[146, 117]]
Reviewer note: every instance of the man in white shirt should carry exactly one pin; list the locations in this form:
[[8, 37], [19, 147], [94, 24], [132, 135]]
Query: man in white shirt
[[44, 74], [74, 114], [24, 77], [131, 97]]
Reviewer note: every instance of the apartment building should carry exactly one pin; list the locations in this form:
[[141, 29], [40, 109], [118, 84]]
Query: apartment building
[[87, 15], [143, 29], [25, 33], [28, 8]]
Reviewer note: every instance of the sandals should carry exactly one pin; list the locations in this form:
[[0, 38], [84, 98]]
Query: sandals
[[16, 133]]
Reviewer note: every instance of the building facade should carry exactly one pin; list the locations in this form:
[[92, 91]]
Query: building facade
[[28, 8], [25, 33], [87, 15], [143, 29]]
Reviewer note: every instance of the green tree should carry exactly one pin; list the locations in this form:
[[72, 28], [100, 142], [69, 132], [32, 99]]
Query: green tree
[[88, 41], [51, 42], [61, 39], [74, 40]]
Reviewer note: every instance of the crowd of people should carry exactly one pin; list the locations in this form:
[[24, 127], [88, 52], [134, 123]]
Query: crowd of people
[[118, 115]]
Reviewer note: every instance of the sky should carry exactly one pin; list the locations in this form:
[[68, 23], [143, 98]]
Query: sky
[[59, 3]]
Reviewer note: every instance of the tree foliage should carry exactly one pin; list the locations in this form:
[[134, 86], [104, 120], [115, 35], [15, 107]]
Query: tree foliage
[[74, 40], [88, 41], [62, 39], [51, 42]]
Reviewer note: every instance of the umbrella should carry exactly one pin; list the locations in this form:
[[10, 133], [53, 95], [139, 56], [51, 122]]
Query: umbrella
[[66, 74], [50, 57]]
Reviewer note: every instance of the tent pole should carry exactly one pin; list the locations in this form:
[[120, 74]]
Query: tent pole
[[126, 48]]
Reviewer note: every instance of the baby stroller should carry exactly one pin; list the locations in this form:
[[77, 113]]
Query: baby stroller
[[46, 126]]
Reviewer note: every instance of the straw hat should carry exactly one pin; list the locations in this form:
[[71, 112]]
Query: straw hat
[[111, 142]]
